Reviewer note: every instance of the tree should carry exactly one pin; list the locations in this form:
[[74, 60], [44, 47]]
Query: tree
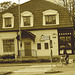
[[6, 5], [70, 5]]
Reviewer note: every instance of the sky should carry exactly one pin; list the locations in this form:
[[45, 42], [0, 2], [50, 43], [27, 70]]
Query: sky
[[16, 1]]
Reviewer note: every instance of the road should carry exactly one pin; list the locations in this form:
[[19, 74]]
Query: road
[[36, 69]]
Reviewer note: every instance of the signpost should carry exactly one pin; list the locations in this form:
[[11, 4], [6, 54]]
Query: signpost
[[51, 70]]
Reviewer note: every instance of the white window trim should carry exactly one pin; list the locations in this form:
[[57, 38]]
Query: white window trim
[[8, 15], [51, 12], [27, 13]]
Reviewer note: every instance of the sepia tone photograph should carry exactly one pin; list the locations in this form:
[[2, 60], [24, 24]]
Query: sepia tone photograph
[[37, 37]]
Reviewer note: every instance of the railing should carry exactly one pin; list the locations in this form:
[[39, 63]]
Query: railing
[[34, 53], [22, 53]]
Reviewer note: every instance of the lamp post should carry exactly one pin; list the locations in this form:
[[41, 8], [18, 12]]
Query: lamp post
[[19, 28]]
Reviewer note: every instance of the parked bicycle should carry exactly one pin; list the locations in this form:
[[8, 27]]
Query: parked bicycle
[[62, 62]]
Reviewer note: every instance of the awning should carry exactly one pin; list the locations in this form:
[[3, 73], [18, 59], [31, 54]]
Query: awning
[[26, 34]]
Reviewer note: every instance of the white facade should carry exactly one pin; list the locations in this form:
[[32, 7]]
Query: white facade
[[42, 52], [53, 36]]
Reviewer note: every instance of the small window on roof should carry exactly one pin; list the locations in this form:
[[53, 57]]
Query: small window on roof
[[50, 17], [26, 19], [8, 20]]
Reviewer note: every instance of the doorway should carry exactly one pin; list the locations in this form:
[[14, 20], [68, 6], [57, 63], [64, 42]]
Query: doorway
[[27, 47]]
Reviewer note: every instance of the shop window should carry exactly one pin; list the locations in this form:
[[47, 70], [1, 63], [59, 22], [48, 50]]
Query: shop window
[[8, 45], [46, 45], [65, 43], [8, 20], [38, 45]]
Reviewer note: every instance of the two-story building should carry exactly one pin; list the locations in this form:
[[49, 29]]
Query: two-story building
[[44, 26]]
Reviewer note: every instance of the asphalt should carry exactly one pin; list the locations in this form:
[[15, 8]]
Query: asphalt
[[35, 69]]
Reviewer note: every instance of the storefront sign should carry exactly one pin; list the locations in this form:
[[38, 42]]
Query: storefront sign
[[45, 37]]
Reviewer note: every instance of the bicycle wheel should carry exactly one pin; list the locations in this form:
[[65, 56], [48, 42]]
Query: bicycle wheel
[[59, 63], [70, 63]]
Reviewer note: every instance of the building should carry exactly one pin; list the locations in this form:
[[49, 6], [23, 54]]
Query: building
[[44, 26]]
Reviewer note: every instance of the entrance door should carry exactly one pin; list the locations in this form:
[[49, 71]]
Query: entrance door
[[27, 46]]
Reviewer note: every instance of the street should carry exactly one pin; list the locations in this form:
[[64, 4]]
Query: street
[[34, 69]]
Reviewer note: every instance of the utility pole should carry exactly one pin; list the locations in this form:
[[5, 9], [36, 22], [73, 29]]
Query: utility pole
[[20, 41], [73, 10]]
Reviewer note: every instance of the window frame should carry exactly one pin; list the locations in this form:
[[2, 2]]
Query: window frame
[[8, 22], [38, 45], [50, 17], [46, 47], [65, 47], [50, 12], [27, 13], [8, 15], [26, 20], [8, 44]]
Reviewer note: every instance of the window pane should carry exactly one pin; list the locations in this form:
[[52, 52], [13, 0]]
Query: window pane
[[26, 20], [46, 45], [8, 45], [50, 19], [7, 22], [68, 42], [38, 45], [62, 41]]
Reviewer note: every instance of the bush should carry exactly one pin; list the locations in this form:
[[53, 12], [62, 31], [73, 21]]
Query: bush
[[44, 60], [54, 59], [11, 56]]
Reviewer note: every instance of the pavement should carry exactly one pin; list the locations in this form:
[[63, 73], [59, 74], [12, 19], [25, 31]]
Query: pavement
[[35, 69]]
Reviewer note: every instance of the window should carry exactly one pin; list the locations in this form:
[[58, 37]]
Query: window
[[65, 43], [8, 20], [26, 19], [46, 46], [50, 17], [8, 45], [38, 45]]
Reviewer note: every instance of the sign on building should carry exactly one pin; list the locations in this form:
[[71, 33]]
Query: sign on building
[[45, 37]]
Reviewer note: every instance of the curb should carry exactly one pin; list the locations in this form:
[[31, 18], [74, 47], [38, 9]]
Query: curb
[[5, 73], [12, 65]]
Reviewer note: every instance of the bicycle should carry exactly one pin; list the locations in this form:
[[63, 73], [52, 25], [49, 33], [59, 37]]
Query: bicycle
[[62, 62]]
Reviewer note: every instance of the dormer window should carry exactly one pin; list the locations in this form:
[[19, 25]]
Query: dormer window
[[26, 19], [50, 17], [8, 20]]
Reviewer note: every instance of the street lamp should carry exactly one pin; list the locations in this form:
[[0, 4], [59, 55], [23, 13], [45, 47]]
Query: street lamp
[[19, 28]]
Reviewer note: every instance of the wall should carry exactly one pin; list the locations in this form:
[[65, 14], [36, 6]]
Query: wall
[[54, 39]]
